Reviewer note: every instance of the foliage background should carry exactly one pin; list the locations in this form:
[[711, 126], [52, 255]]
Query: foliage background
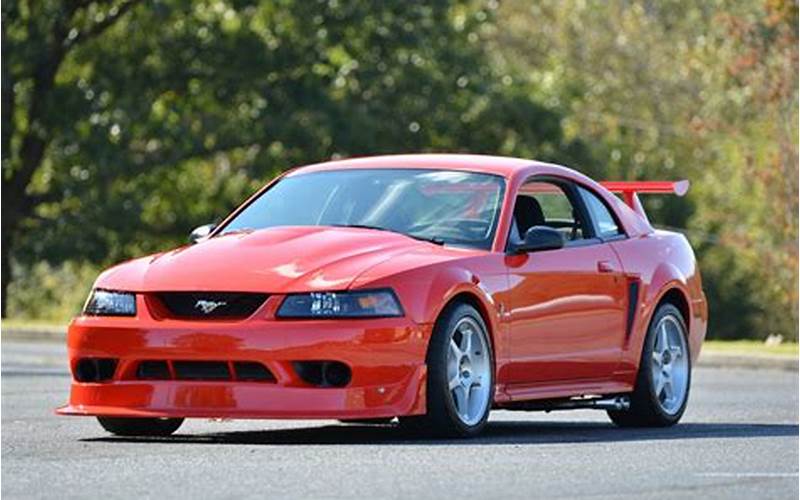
[[127, 123]]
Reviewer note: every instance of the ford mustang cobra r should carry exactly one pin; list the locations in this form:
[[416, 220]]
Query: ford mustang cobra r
[[431, 288]]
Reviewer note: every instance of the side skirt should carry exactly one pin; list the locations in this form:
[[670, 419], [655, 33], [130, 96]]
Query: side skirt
[[619, 402], [564, 390]]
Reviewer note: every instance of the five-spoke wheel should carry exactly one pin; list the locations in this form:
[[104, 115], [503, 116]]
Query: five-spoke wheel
[[460, 384], [468, 370], [670, 365], [662, 385]]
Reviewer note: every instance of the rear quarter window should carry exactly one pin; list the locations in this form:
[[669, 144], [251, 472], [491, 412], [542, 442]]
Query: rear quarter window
[[604, 221]]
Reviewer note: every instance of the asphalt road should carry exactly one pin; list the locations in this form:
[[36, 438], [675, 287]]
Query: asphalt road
[[739, 438]]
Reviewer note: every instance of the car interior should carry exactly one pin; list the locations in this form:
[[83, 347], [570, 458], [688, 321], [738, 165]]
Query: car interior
[[546, 204]]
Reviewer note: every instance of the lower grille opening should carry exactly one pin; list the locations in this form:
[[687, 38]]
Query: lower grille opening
[[323, 373], [248, 371], [153, 370], [95, 369], [253, 371], [201, 370]]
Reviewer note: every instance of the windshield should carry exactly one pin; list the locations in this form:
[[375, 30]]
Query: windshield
[[441, 206]]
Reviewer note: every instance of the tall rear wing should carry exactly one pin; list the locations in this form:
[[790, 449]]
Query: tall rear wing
[[630, 191]]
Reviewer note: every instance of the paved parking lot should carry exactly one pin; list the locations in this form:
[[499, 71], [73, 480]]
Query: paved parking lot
[[739, 438]]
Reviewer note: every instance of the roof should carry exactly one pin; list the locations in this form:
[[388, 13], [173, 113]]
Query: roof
[[498, 165], [516, 170]]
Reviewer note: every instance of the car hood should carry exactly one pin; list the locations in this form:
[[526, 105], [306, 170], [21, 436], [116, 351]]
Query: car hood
[[274, 260]]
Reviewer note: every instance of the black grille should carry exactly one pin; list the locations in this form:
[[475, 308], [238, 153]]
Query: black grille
[[153, 370], [246, 370], [201, 370], [249, 371], [211, 305]]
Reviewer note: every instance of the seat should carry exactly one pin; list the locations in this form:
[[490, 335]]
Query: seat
[[527, 213]]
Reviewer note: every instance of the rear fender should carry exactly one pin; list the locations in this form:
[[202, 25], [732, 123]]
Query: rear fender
[[665, 278]]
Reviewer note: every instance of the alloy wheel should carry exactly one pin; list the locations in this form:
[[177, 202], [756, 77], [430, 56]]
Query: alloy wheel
[[468, 370], [670, 365]]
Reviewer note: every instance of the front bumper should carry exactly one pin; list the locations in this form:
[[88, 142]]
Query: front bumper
[[386, 357]]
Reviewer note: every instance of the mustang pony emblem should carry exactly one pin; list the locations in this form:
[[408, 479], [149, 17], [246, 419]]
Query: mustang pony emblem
[[207, 306]]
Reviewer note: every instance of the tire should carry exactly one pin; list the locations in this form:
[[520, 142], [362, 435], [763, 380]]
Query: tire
[[652, 404], [459, 410], [140, 426]]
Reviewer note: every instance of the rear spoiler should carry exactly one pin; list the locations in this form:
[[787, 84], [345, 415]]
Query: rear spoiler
[[631, 189]]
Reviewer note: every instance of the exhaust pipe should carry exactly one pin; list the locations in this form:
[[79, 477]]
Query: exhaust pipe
[[612, 403]]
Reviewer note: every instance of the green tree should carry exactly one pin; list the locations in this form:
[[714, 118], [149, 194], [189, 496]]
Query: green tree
[[125, 124], [673, 89], [749, 197]]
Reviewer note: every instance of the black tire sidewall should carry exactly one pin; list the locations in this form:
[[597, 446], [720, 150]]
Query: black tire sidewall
[[440, 401], [124, 426], [647, 360]]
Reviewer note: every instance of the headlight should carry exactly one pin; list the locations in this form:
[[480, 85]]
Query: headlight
[[357, 304], [108, 303]]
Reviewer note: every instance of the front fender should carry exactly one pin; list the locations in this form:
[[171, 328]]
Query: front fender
[[456, 282], [425, 292]]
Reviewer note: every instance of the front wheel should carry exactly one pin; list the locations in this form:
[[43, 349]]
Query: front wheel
[[662, 385], [460, 385], [121, 426]]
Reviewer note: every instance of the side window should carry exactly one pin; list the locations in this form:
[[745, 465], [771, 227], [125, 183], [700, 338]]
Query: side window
[[606, 225], [542, 203]]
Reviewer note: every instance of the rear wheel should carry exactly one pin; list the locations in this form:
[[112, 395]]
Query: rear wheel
[[140, 426], [662, 385], [460, 385]]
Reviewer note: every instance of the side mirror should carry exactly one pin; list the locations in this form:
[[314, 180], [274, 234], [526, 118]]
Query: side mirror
[[201, 232], [540, 238]]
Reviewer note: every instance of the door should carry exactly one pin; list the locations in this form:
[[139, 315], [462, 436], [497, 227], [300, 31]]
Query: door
[[568, 306]]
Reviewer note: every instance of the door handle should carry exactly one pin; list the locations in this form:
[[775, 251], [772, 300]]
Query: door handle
[[605, 266]]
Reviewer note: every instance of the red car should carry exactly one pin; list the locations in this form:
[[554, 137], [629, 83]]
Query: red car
[[432, 288]]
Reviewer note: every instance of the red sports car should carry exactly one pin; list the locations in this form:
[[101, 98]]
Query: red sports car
[[431, 288]]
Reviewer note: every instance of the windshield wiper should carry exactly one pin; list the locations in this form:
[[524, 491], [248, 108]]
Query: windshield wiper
[[429, 239], [434, 240], [364, 226]]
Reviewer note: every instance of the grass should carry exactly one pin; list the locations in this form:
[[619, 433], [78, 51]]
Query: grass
[[750, 347], [33, 324]]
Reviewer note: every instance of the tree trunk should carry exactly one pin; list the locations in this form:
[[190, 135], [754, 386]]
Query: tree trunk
[[11, 210], [16, 207], [5, 272], [17, 173]]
